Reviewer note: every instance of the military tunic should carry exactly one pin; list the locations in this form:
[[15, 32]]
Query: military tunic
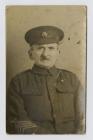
[[43, 101]]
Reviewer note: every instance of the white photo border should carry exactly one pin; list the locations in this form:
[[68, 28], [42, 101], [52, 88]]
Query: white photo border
[[89, 119]]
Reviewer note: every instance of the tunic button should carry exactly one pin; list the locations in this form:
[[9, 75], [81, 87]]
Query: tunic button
[[55, 84], [62, 80], [54, 115]]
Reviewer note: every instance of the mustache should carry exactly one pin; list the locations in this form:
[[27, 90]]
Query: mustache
[[45, 57]]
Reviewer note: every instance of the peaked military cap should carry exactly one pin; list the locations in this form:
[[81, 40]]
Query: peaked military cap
[[44, 35]]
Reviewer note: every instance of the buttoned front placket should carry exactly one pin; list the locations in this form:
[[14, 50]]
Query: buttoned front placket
[[54, 101], [51, 77]]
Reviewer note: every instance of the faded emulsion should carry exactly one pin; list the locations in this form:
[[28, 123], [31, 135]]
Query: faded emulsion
[[44, 98]]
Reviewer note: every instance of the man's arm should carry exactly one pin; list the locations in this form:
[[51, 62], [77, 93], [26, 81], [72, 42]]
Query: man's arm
[[18, 121], [80, 108]]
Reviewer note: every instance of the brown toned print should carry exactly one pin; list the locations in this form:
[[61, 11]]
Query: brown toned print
[[46, 69]]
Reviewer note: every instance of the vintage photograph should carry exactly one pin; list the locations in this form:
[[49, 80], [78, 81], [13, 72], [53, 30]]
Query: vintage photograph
[[46, 69]]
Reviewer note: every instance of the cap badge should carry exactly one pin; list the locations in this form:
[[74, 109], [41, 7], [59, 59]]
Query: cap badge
[[44, 35], [62, 80]]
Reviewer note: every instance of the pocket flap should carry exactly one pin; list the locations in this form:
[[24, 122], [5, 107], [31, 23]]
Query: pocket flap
[[64, 88], [70, 118], [31, 91]]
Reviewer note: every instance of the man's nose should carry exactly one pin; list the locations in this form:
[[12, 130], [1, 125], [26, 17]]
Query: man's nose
[[45, 52]]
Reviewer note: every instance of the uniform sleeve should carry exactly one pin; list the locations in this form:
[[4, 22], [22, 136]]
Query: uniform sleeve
[[17, 120], [79, 108]]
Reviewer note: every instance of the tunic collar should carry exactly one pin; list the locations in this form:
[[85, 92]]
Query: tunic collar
[[43, 71]]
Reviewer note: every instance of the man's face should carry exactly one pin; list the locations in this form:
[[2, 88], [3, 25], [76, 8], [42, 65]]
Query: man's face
[[45, 55]]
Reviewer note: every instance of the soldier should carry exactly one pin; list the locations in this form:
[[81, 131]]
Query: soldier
[[45, 99]]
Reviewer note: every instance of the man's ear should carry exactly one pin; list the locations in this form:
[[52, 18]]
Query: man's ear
[[59, 48], [30, 53]]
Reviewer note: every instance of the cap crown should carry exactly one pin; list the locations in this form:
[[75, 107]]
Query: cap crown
[[44, 35]]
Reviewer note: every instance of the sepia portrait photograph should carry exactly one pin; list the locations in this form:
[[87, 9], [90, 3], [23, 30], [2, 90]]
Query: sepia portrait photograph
[[46, 69]]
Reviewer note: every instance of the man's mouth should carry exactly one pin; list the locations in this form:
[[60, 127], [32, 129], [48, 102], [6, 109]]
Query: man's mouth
[[45, 60]]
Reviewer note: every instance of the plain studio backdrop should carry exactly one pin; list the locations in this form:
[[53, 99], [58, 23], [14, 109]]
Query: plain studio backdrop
[[72, 19]]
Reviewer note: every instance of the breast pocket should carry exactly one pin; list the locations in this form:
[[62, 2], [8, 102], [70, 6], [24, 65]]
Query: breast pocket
[[33, 102], [32, 98], [66, 101]]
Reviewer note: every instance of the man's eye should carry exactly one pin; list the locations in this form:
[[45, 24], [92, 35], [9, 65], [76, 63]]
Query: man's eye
[[51, 48], [40, 48]]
